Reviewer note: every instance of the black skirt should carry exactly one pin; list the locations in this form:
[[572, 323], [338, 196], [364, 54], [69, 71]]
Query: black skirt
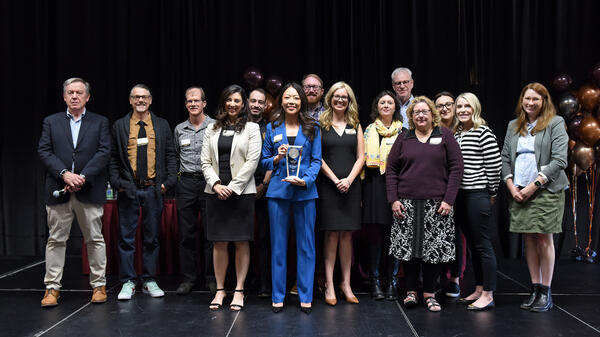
[[376, 209], [231, 219]]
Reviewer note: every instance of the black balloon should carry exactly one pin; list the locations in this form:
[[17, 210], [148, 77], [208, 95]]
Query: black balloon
[[253, 77], [595, 74], [273, 84], [568, 105], [561, 82], [573, 127]]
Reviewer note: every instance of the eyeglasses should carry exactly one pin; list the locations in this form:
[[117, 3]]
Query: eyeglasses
[[421, 112], [311, 87], [340, 98], [136, 97], [400, 83], [193, 101], [447, 106]]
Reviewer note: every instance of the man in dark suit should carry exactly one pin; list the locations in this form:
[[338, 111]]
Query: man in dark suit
[[75, 148], [142, 167]]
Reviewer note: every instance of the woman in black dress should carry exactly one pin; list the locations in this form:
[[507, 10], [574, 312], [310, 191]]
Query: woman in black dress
[[377, 215], [230, 154], [342, 145]]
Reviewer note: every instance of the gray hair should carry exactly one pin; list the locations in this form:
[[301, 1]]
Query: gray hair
[[141, 86], [76, 79], [401, 70]]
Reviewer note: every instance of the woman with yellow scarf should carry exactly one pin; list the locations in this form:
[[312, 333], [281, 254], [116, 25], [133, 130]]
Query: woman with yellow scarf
[[377, 215]]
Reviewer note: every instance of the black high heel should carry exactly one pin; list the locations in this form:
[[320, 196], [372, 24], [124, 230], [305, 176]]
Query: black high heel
[[237, 307], [306, 310], [214, 306], [276, 309]]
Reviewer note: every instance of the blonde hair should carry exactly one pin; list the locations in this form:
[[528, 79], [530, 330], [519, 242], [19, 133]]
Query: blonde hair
[[351, 115], [436, 118], [547, 112], [475, 105]]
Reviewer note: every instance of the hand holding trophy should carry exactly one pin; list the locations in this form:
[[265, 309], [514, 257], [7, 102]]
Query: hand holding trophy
[[293, 157]]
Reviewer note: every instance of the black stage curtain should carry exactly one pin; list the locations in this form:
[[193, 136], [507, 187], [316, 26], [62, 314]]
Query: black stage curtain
[[491, 48]]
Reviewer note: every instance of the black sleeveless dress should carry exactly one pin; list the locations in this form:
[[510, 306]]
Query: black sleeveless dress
[[339, 211]]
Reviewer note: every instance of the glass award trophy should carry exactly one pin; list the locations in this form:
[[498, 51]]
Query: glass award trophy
[[292, 161]]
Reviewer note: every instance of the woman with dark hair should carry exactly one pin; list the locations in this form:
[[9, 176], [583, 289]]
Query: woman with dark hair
[[230, 155], [339, 201], [423, 175], [444, 103], [289, 193], [534, 157], [476, 196], [376, 214]]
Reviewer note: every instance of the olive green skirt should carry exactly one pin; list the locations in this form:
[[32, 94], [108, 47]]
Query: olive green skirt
[[543, 213]]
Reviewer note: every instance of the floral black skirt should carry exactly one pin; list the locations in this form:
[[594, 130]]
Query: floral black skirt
[[423, 233]]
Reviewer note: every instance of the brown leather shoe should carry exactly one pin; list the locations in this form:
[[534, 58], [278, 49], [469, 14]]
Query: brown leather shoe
[[50, 299], [99, 295]]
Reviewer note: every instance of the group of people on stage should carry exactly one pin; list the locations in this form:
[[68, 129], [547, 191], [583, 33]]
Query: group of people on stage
[[420, 180]]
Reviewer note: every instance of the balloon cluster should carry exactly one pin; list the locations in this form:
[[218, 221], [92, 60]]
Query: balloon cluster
[[272, 84], [581, 111]]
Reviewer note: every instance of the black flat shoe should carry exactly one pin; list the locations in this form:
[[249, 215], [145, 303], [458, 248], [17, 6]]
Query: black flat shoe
[[464, 301], [306, 310], [526, 305], [543, 302], [490, 305]]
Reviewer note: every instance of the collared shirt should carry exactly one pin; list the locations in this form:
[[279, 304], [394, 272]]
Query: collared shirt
[[75, 126], [316, 112], [525, 164], [134, 129], [403, 109], [188, 144]]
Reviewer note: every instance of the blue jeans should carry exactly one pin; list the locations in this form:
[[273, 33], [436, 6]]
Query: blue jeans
[[151, 202]]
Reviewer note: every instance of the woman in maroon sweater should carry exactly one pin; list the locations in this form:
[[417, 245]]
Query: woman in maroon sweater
[[423, 174]]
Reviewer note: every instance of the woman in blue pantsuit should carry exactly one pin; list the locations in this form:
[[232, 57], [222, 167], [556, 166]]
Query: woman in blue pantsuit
[[295, 195]]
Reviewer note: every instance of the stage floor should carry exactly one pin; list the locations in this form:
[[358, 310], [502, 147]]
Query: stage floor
[[576, 312]]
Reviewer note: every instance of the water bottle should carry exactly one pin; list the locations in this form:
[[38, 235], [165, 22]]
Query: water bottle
[[109, 193]]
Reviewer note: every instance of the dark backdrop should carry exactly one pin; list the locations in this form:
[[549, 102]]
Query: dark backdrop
[[492, 48]]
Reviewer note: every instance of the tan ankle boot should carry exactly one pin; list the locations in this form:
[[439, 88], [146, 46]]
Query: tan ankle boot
[[99, 295], [50, 298]]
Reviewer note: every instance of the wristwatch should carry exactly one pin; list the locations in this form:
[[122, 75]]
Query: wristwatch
[[62, 173], [537, 183]]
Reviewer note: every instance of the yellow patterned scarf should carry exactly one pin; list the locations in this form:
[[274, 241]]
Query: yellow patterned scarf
[[375, 154]]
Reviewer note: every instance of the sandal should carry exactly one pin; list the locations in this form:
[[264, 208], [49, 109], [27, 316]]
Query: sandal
[[214, 306], [432, 303], [411, 299], [237, 307]]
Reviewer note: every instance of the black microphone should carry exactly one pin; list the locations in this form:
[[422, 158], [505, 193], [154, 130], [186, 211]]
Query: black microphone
[[58, 193]]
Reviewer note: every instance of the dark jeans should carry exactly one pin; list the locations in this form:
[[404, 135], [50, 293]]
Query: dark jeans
[[151, 202], [262, 243], [379, 243], [430, 274], [472, 212], [191, 200]]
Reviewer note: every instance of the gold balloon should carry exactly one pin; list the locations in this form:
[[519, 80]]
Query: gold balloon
[[589, 130], [583, 155]]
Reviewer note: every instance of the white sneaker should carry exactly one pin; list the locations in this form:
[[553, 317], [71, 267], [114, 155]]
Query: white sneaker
[[127, 291], [152, 289]]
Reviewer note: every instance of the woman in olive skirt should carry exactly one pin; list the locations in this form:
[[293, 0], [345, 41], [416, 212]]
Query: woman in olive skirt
[[230, 154], [533, 161]]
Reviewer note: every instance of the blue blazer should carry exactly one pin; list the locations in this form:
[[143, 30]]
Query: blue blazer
[[310, 164]]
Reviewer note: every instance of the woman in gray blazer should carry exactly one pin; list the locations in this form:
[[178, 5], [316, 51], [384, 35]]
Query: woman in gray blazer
[[230, 154], [533, 161]]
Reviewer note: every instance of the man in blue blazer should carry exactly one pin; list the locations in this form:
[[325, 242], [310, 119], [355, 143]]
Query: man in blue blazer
[[74, 148], [142, 167]]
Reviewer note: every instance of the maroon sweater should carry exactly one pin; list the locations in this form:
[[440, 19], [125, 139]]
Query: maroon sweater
[[419, 171]]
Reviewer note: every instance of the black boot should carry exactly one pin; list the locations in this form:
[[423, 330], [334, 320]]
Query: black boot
[[392, 291], [376, 292], [535, 289], [543, 302]]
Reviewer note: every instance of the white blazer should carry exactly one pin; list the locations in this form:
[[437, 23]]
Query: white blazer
[[245, 154]]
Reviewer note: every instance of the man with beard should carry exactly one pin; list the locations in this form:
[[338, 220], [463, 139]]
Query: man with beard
[[142, 167], [313, 88], [191, 199], [402, 82], [257, 101]]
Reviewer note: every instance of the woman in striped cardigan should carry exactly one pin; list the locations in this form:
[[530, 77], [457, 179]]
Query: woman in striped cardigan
[[476, 195]]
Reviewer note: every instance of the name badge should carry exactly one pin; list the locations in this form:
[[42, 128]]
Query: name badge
[[435, 141], [278, 138], [228, 133], [350, 131], [185, 142], [142, 141], [390, 142]]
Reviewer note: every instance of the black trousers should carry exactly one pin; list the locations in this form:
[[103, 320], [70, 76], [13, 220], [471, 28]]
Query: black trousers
[[262, 243], [472, 212], [191, 200], [430, 274]]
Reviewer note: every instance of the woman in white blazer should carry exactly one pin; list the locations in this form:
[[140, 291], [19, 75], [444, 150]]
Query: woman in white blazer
[[230, 154]]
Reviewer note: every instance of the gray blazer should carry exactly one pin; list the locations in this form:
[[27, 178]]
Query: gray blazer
[[551, 145]]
